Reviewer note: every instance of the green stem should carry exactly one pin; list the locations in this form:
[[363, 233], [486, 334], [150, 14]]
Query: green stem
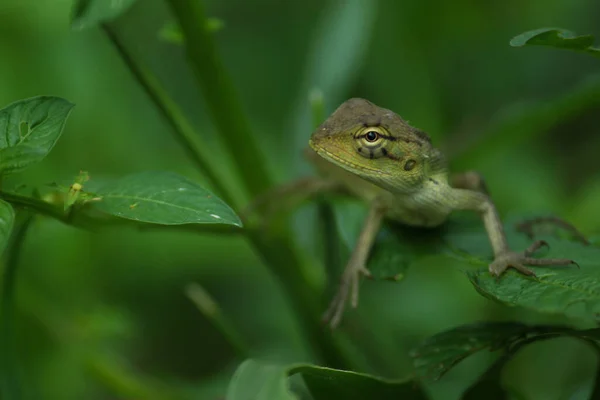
[[183, 129], [596, 391], [37, 205], [125, 384], [211, 310], [72, 217], [280, 256], [317, 107], [277, 251], [9, 383], [222, 101]]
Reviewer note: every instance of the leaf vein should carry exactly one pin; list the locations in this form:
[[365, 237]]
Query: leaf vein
[[150, 200]]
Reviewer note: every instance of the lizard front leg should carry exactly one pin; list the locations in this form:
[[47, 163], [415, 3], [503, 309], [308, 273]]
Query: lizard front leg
[[349, 282], [471, 180], [288, 196], [504, 258], [474, 181]]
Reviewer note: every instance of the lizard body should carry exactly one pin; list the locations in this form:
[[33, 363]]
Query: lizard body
[[377, 156]]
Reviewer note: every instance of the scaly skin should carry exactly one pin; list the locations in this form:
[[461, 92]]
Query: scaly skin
[[378, 156]]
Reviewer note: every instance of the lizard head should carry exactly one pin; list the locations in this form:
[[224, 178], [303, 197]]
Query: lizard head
[[377, 145]]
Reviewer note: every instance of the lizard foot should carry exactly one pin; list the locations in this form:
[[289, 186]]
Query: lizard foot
[[518, 261], [348, 287]]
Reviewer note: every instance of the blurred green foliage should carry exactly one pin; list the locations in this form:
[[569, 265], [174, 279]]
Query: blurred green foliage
[[105, 315], [558, 38]]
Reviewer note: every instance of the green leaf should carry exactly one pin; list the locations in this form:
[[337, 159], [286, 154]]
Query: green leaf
[[7, 220], [89, 13], [556, 290], [439, 353], [163, 198], [259, 381], [558, 38], [327, 383], [171, 31], [339, 45], [30, 128], [256, 380], [396, 246]]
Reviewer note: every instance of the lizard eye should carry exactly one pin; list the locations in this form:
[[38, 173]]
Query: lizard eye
[[371, 136], [410, 164]]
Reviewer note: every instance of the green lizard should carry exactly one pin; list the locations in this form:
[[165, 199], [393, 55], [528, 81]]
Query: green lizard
[[394, 167], [375, 155]]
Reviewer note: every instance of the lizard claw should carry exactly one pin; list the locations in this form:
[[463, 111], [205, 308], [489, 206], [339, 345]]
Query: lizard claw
[[348, 287], [518, 261]]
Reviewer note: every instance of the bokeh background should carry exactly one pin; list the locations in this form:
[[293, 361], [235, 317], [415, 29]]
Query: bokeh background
[[104, 315]]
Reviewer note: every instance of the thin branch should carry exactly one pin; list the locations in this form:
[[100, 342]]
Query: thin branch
[[182, 128], [278, 251], [211, 310], [221, 98], [9, 382]]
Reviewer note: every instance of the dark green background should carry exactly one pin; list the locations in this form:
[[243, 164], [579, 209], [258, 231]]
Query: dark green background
[[103, 310]]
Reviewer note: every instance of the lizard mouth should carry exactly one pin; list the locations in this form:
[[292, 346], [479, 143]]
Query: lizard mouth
[[336, 159]]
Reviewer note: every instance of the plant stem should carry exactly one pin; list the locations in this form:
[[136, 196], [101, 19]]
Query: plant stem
[[596, 391], [317, 107], [9, 383], [220, 94], [211, 310], [183, 129], [279, 254], [276, 251], [37, 205], [125, 384]]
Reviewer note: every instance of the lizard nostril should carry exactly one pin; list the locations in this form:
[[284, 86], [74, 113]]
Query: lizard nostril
[[410, 164]]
